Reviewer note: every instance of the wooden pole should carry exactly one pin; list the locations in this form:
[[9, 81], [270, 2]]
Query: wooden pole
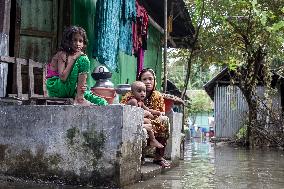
[[5, 6], [165, 43]]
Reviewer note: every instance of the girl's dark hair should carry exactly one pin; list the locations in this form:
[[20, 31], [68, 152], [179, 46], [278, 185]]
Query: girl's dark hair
[[66, 42]]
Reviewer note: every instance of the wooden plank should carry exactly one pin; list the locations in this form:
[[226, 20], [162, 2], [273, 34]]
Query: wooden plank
[[22, 61], [24, 96], [11, 60], [44, 80], [37, 33], [19, 79], [7, 59], [17, 28], [31, 78], [38, 64]]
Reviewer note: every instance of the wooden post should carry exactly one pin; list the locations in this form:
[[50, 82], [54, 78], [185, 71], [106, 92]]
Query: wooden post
[[19, 79], [165, 43], [44, 80], [5, 6], [31, 78]]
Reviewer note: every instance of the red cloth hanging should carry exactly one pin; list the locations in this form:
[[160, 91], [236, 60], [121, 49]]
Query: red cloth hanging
[[140, 32]]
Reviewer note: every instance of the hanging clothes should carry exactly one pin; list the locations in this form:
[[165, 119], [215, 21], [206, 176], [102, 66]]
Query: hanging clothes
[[107, 23], [140, 29], [140, 62], [140, 32], [128, 16]]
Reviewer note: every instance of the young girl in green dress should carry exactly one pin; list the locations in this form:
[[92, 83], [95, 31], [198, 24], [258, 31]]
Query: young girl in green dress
[[68, 69]]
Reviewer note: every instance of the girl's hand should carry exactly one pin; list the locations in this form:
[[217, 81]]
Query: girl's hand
[[83, 88], [77, 54]]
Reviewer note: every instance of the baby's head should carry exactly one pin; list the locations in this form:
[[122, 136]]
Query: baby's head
[[138, 89]]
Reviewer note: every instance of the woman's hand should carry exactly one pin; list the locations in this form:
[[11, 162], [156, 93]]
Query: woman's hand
[[148, 127], [148, 114], [155, 112]]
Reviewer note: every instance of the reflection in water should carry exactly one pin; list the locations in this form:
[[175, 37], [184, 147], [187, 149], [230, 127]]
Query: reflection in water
[[222, 167], [208, 166]]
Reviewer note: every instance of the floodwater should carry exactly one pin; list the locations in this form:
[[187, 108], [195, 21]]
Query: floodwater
[[211, 166], [222, 167]]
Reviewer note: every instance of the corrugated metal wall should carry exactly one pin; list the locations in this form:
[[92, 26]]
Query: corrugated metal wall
[[4, 43], [230, 110], [37, 31], [4, 39]]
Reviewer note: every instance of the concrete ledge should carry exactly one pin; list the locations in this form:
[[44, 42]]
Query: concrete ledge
[[150, 170], [76, 145], [173, 148]]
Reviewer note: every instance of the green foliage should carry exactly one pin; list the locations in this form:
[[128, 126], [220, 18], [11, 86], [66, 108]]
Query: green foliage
[[200, 102], [236, 28], [242, 133], [200, 73]]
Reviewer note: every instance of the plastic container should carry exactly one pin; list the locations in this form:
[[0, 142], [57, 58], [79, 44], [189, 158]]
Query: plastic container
[[168, 104], [107, 93]]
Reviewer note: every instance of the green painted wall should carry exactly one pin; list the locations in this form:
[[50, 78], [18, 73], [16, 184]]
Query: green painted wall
[[83, 14], [153, 55]]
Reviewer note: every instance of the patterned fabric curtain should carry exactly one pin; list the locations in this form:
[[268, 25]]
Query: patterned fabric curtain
[[113, 30], [128, 16], [107, 22]]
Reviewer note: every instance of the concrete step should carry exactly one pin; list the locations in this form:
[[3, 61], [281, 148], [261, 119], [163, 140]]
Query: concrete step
[[150, 170]]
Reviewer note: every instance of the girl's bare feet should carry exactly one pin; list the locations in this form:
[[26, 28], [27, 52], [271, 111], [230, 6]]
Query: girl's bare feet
[[156, 144], [82, 102]]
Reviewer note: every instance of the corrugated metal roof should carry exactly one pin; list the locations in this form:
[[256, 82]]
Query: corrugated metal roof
[[183, 30]]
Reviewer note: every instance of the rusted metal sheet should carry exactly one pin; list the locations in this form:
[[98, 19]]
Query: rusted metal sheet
[[36, 29], [35, 47], [5, 6], [231, 109], [35, 35], [3, 67]]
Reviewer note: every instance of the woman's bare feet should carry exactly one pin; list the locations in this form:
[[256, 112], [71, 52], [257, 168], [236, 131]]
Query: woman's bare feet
[[162, 162], [82, 102], [156, 144]]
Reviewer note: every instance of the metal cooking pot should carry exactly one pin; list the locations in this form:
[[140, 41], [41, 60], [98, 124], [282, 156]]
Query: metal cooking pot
[[104, 83], [123, 88], [101, 72]]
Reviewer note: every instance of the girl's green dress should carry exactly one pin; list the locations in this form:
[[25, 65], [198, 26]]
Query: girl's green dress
[[67, 89]]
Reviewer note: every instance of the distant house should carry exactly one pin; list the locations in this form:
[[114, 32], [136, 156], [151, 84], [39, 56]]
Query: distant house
[[230, 106], [202, 109]]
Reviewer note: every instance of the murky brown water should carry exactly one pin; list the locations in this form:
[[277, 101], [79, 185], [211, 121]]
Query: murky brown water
[[209, 166], [222, 167]]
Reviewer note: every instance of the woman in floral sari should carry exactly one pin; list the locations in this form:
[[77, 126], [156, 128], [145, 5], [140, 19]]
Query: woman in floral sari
[[160, 124]]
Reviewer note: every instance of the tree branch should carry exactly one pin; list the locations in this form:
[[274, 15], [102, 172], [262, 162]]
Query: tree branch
[[192, 51]]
